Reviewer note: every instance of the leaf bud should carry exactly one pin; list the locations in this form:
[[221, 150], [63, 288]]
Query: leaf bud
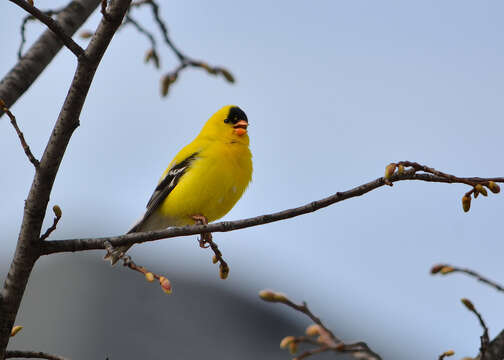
[[149, 277], [223, 271], [446, 270], [57, 211], [466, 203], [493, 187], [313, 330], [15, 330], [468, 304], [286, 341], [389, 170], [165, 285], [267, 295]]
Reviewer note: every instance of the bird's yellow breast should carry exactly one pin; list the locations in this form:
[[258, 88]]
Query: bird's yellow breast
[[215, 181]]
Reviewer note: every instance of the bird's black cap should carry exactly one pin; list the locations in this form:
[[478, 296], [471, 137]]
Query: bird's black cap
[[235, 114]]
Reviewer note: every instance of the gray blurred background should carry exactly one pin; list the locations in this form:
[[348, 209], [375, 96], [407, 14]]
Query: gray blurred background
[[334, 91]]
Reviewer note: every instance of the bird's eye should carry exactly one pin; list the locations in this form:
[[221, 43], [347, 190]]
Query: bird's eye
[[226, 121]]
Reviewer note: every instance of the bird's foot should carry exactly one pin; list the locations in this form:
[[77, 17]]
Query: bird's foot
[[205, 238]]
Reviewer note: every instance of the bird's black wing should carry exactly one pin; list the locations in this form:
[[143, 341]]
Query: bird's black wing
[[166, 186]]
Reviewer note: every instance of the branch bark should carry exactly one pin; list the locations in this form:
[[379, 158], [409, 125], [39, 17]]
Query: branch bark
[[43, 51], [28, 245]]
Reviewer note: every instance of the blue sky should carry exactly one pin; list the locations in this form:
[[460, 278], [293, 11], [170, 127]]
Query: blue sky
[[334, 91]]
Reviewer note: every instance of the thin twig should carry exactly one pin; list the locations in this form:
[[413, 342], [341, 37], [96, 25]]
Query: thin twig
[[326, 340], [32, 355], [53, 25], [72, 245], [27, 18], [445, 269], [149, 275], [24, 144], [446, 354], [485, 339], [57, 217]]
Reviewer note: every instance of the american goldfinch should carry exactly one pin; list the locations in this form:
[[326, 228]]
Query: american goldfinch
[[205, 179]]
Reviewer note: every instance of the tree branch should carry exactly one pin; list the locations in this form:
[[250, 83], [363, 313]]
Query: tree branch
[[72, 245], [51, 24], [41, 53], [20, 135], [445, 269], [27, 250], [32, 355]]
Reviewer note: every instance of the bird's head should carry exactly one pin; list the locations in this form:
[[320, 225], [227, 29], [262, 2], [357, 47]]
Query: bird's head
[[229, 123]]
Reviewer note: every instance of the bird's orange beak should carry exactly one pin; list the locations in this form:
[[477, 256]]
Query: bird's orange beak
[[240, 128]]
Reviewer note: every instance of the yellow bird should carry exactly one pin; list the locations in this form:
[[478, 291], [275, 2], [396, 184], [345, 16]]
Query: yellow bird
[[204, 180]]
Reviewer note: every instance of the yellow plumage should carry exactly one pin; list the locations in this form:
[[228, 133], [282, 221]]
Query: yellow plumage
[[206, 178]]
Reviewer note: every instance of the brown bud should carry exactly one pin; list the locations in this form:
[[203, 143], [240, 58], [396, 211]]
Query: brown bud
[[149, 277], [30, 2], [400, 169], [57, 211], [468, 304], [151, 55], [86, 34], [286, 341], [466, 203], [480, 189], [223, 271], [166, 81], [214, 259], [493, 187], [2, 103], [389, 170], [436, 268], [227, 75], [15, 330]]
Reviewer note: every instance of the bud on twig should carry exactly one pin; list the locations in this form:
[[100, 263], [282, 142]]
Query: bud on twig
[[15, 330], [286, 341], [149, 277], [493, 187], [389, 170], [466, 202], [468, 304], [165, 285]]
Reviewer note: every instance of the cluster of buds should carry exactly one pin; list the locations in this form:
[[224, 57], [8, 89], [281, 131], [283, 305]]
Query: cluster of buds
[[163, 281], [479, 189], [272, 296], [216, 71], [391, 168]]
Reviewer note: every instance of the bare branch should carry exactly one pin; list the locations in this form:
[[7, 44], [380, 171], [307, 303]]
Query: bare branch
[[41, 53], [326, 339], [32, 355], [27, 250], [446, 354], [57, 217], [73, 245], [51, 24], [25, 146], [445, 269], [485, 340]]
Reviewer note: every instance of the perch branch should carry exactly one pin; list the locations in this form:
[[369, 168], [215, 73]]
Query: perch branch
[[72, 245], [485, 339]]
